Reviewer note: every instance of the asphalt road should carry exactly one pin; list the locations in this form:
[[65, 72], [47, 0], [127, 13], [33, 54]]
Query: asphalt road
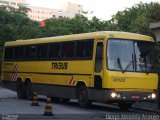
[[12, 108]]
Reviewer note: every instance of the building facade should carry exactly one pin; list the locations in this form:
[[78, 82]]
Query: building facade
[[14, 3], [39, 13], [68, 10]]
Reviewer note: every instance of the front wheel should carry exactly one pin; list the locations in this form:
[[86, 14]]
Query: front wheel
[[83, 97], [125, 106]]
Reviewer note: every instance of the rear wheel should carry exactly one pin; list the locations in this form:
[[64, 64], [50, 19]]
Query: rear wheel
[[29, 91], [20, 90], [125, 106], [83, 97]]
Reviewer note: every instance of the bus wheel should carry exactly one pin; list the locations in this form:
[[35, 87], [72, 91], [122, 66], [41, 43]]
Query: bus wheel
[[29, 91], [125, 106], [83, 97], [65, 100], [20, 90]]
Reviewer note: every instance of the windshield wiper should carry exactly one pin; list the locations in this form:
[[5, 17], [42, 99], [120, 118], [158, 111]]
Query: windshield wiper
[[119, 63], [123, 71], [129, 64]]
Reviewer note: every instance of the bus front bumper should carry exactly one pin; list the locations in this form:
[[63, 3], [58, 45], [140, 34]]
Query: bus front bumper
[[131, 96]]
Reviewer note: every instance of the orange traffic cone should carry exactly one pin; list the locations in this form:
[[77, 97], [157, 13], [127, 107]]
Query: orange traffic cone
[[35, 100], [48, 108]]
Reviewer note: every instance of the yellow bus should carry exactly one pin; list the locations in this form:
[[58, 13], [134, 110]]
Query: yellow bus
[[105, 66]]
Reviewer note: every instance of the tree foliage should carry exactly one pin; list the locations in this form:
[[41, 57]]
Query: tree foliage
[[15, 24], [137, 18]]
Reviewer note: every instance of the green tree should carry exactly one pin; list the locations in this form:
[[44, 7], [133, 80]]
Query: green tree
[[136, 19], [14, 24]]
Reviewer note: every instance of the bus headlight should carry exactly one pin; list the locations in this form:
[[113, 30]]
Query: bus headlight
[[153, 95], [113, 94]]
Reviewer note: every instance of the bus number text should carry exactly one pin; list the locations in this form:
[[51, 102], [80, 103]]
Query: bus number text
[[59, 65], [118, 79]]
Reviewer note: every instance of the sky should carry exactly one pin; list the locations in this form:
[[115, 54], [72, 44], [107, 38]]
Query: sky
[[102, 9]]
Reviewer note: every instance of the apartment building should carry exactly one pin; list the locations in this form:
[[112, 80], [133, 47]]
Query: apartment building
[[14, 3], [39, 13], [68, 10]]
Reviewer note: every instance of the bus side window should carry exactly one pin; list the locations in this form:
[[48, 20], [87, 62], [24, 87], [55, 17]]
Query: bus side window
[[54, 50], [42, 51], [19, 52], [9, 52], [68, 50], [30, 52], [99, 57], [84, 49]]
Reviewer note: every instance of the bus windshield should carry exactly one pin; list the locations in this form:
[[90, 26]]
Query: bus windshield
[[130, 55]]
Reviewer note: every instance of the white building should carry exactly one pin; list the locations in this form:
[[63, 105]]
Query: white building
[[40, 13], [68, 10], [14, 3]]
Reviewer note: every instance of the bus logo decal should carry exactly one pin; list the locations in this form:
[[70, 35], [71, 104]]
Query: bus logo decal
[[72, 81], [15, 72]]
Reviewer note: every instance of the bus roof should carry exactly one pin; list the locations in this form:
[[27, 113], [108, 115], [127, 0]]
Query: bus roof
[[96, 35]]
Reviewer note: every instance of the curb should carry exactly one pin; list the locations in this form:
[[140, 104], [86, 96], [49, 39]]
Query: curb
[[147, 109]]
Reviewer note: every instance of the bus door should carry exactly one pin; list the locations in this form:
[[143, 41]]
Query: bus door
[[98, 69]]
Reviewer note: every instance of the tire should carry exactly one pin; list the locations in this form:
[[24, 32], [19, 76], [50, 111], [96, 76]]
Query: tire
[[29, 91], [125, 106], [20, 90], [83, 97]]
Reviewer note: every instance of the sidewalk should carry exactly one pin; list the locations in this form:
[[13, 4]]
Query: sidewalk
[[6, 93]]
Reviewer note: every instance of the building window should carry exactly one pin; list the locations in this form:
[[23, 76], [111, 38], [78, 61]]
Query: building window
[[13, 3], [59, 11]]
